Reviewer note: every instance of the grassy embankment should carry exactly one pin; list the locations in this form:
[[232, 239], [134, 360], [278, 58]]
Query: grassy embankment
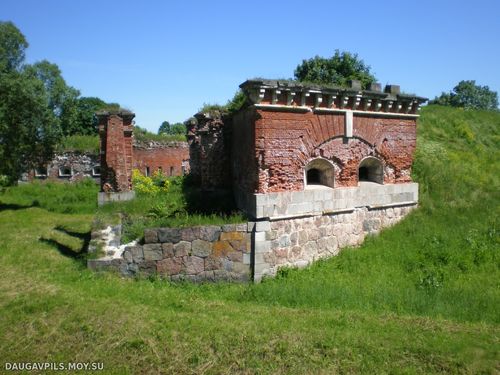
[[423, 297]]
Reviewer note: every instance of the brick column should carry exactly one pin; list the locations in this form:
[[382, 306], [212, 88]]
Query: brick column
[[115, 133]]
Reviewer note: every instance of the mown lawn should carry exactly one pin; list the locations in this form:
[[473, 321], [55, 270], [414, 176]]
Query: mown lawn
[[423, 297]]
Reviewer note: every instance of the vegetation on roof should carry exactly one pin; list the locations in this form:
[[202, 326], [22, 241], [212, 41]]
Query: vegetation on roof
[[232, 106], [79, 143]]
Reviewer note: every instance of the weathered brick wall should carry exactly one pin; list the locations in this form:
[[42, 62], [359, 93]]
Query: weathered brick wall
[[209, 149], [286, 141], [171, 157], [115, 131], [244, 160]]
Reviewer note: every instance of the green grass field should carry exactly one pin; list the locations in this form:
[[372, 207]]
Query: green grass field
[[423, 297]]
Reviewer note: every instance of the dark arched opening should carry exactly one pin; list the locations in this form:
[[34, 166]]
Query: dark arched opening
[[371, 169], [320, 172], [313, 177]]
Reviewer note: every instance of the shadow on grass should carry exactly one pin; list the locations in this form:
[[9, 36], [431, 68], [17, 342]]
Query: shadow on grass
[[15, 207], [79, 256], [84, 236]]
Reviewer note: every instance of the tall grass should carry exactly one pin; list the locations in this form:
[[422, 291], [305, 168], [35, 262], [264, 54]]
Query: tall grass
[[182, 205], [61, 197]]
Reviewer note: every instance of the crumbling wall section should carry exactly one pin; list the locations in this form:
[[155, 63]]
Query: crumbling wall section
[[209, 137], [203, 253], [115, 132], [79, 165]]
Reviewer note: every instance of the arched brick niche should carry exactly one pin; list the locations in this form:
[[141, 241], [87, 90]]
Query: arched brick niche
[[319, 172], [371, 170]]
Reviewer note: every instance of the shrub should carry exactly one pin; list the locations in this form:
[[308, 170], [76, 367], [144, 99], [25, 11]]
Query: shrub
[[158, 183]]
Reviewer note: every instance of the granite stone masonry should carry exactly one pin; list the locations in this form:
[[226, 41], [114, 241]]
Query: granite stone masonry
[[203, 253], [300, 241], [246, 252]]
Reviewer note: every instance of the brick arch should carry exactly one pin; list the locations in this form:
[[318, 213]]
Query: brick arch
[[348, 154], [319, 171]]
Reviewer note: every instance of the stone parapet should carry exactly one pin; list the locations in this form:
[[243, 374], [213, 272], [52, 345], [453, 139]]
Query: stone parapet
[[321, 200]]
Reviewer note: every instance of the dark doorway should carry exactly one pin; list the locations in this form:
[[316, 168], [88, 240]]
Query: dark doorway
[[313, 177], [363, 174], [371, 169]]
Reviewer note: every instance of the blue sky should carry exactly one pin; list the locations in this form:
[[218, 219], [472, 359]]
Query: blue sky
[[164, 59]]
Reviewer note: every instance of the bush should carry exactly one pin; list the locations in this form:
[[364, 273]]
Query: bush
[[158, 183]]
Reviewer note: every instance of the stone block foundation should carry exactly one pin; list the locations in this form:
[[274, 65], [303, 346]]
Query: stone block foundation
[[203, 253], [297, 242], [250, 251]]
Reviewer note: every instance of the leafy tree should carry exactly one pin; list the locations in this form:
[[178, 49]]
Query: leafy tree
[[237, 102], [12, 47], [468, 95], [336, 70], [62, 98], [233, 105], [178, 128], [164, 128], [86, 121], [172, 129], [29, 129]]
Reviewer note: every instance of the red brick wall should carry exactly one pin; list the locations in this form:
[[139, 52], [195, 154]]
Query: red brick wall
[[116, 162], [210, 148], [286, 141], [169, 158], [244, 159]]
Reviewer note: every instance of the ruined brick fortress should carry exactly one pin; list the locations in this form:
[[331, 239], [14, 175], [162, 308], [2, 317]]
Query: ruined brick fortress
[[120, 152], [315, 168]]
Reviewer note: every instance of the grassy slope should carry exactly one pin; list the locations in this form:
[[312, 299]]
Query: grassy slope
[[422, 297]]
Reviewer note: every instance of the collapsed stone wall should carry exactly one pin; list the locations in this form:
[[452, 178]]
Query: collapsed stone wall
[[171, 157], [79, 165]]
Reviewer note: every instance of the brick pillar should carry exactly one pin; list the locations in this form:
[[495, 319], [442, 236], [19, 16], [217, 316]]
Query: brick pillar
[[115, 133]]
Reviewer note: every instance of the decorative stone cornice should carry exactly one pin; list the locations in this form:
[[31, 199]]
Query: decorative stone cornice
[[292, 95]]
